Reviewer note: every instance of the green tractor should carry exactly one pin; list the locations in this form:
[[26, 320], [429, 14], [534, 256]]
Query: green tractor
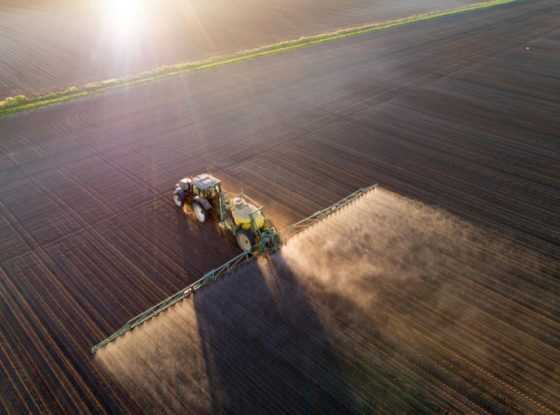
[[239, 214]]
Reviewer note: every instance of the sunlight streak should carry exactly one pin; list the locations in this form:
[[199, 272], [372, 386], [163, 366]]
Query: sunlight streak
[[124, 17]]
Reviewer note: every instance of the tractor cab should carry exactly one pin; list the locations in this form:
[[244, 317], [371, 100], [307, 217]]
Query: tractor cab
[[205, 185], [201, 194]]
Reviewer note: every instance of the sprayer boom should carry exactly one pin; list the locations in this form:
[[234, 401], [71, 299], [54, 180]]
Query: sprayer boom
[[223, 269], [318, 216]]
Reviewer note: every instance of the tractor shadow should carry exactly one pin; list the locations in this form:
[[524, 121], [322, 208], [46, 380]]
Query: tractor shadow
[[203, 246], [272, 342], [265, 348], [264, 340]]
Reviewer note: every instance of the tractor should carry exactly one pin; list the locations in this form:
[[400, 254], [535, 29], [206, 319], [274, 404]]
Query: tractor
[[203, 195]]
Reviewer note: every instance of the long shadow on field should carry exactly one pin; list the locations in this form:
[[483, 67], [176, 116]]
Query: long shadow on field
[[383, 309], [265, 348]]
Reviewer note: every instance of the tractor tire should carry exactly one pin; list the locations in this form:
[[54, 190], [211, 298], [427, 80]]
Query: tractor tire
[[245, 240], [178, 200], [199, 212]]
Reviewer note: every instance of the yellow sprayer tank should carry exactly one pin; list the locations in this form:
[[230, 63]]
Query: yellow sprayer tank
[[242, 210]]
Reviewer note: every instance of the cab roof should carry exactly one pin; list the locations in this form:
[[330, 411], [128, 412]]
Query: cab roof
[[205, 181]]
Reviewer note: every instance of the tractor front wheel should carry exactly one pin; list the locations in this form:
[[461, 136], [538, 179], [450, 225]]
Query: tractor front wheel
[[199, 212], [178, 200], [245, 240]]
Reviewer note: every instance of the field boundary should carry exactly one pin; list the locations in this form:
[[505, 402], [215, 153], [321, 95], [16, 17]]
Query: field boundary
[[11, 105]]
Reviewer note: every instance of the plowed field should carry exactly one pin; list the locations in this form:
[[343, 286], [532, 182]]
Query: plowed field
[[54, 44], [387, 306], [458, 113]]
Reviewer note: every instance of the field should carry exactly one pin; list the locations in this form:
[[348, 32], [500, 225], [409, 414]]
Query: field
[[458, 113], [93, 42], [369, 311]]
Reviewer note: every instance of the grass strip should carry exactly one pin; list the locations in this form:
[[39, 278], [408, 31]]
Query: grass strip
[[20, 103]]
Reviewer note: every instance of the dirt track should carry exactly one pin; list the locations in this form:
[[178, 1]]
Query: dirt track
[[47, 45], [460, 112]]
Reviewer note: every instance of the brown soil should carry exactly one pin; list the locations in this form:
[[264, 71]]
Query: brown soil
[[459, 112], [47, 45], [388, 306]]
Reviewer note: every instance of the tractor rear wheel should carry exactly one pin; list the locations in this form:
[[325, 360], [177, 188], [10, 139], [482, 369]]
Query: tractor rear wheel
[[199, 212], [245, 240]]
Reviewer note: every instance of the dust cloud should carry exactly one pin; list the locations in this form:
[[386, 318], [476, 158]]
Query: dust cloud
[[161, 364], [381, 242], [398, 288]]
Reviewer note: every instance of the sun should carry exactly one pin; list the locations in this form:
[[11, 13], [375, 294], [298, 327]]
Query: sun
[[124, 16]]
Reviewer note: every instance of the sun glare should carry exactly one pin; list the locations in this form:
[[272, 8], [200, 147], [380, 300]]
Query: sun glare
[[124, 16]]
